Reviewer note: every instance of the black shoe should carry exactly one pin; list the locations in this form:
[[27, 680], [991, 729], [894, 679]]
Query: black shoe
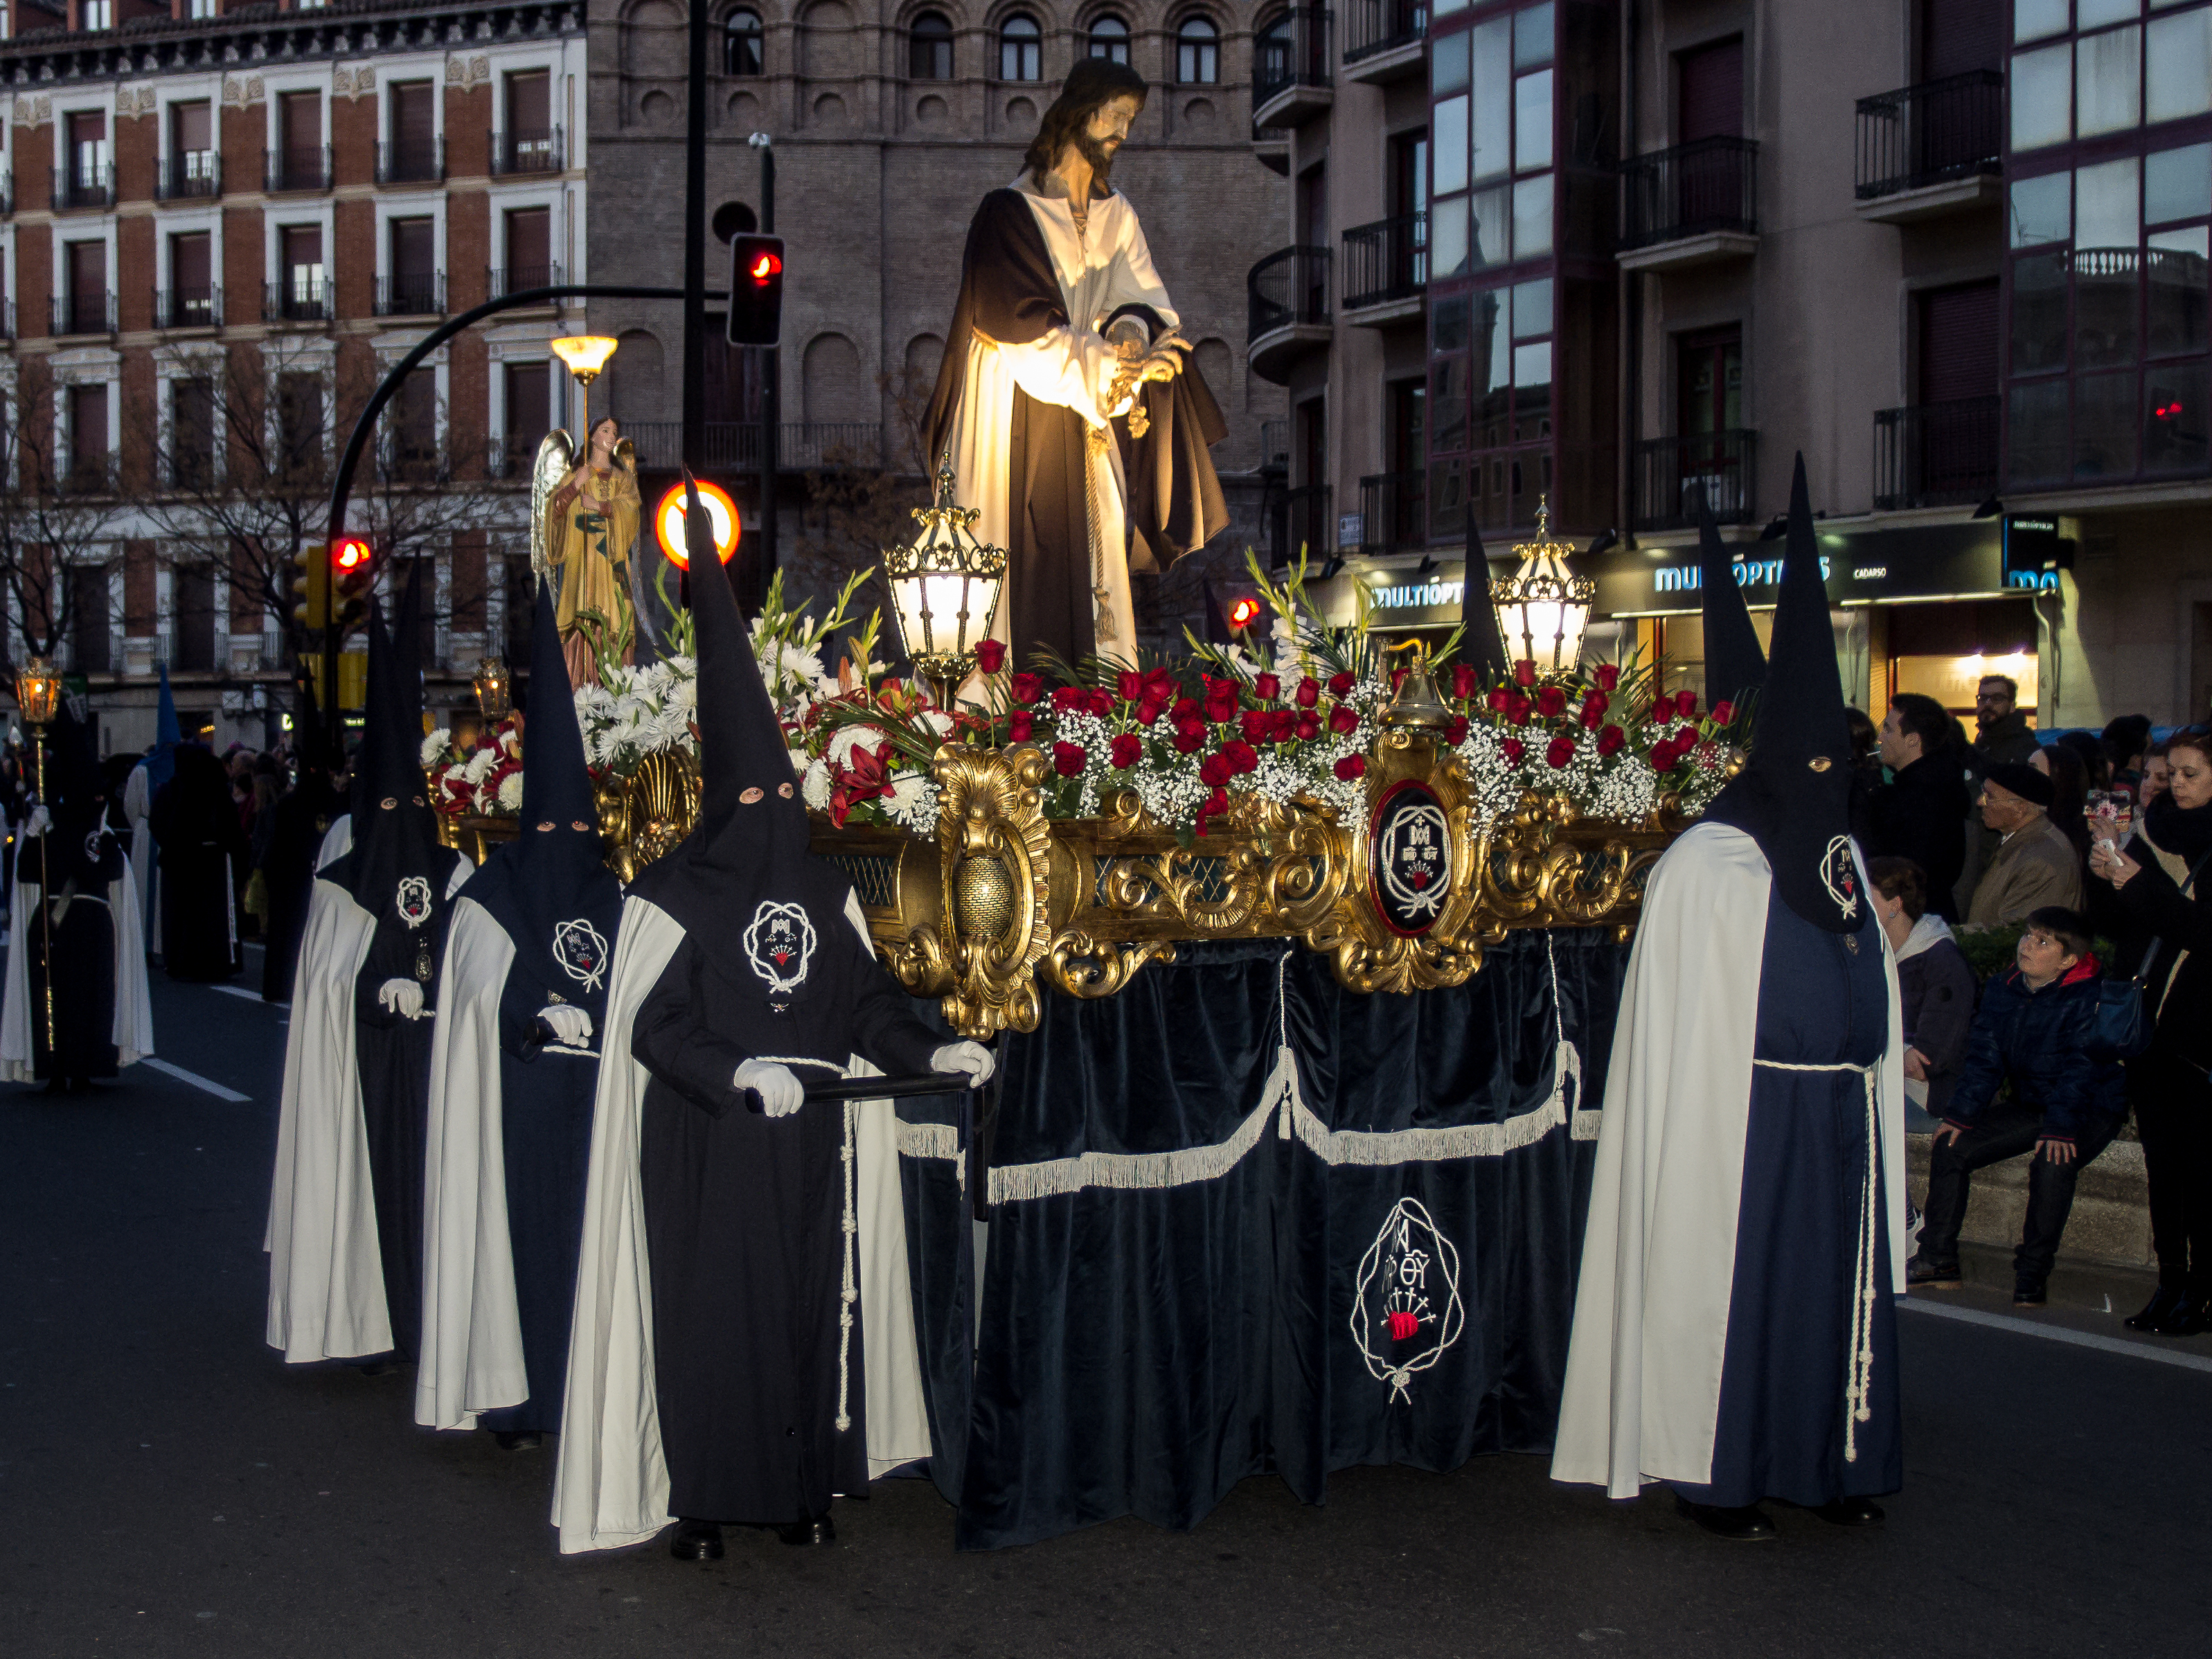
[[1933, 1275], [2186, 1317], [518, 1439], [1739, 1526], [696, 1540], [2029, 1293], [2161, 1303], [377, 1367], [820, 1530], [1851, 1512]]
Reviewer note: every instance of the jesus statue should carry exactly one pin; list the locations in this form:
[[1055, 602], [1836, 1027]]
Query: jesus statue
[[1077, 427]]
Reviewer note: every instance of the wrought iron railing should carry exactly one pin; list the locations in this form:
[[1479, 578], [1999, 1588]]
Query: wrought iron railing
[[296, 169], [188, 308], [526, 149], [1672, 475], [1305, 522], [1288, 286], [84, 187], [300, 300], [1385, 261], [1931, 453], [1293, 52], [1692, 190], [421, 294], [1931, 134], [1394, 511], [84, 313], [1373, 27], [422, 161], [188, 174], [501, 281]]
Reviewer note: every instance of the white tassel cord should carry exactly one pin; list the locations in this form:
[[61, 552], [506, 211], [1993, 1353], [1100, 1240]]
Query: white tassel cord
[[1858, 1369], [849, 1291]]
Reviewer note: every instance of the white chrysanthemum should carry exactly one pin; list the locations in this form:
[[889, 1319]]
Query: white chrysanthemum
[[800, 760], [814, 789], [936, 721], [436, 746], [850, 737], [912, 804], [480, 765], [510, 792]]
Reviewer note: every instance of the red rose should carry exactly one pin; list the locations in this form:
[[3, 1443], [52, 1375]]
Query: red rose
[[990, 655], [1243, 757], [1189, 726], [1028, 688], [1128, 748], [1598, 701], [1463, 681], [1213, 771], [1592, 717], [1185, 708], [1339, 685], [1308, 693], [1561, 750], [1160, 684], [1071, 700], [1188, 742], [1456, 734], [1255, 723], [1608, 676], [1148, 710], [1130, 684], [1266, 686], [1343, 719], [1350, 766], [1724, 713], [1100, 701], [1019, 725], [1212, 806], [1282, 724], [1664, 757], [1308, 727], [1220, 701], [1551, 701], [1685, 703], [1610, 740], [1517, 706], [1498, 701], [1514, 749], [1067, 758], [1524, 672]]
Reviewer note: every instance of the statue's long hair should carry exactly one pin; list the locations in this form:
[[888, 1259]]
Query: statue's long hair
[[1092, 84]]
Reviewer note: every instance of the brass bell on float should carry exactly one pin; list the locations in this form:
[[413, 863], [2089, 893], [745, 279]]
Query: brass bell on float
[[1416, 707]]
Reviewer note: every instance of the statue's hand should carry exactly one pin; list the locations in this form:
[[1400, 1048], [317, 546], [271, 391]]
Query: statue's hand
[[1165, 360]]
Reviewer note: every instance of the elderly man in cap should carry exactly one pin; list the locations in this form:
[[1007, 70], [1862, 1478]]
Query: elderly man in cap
[[2034, 865]]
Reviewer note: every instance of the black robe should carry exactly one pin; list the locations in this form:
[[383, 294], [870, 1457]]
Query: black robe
[[304, 816], [195, 823], [81, 949], [1010, 292], [745, 1227]]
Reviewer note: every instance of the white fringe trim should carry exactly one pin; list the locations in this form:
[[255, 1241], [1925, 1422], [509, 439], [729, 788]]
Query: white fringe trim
[[934, 1141], [1129, 1171], [1375, 1150]]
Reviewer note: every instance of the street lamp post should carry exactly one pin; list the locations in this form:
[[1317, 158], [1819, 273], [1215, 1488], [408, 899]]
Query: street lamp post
[[38, 693]]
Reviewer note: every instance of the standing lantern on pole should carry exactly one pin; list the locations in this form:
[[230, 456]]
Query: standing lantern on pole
[[1542, 608], [39, 695], [945, 590]]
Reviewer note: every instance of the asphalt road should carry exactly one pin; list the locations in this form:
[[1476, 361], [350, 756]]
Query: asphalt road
[[169, 1487]]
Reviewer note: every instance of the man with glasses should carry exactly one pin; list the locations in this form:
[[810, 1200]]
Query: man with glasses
[[2002, 731]]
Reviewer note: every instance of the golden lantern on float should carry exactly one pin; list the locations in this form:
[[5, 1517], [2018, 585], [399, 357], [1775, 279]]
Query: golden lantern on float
[[946, 586], [1543, 608], [494, 693]]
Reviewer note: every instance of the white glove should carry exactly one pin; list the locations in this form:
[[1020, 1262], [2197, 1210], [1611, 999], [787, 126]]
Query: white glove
[[972, 1058], [781, 1093], [571, 1025], [403, 997], [38, 824]]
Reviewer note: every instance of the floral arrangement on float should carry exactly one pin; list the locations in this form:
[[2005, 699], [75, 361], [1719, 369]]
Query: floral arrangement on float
[[478, 774]]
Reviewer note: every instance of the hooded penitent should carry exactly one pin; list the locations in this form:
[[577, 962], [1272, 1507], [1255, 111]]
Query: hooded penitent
[[161, 764], [1793, 796], [304, 816], [1735, 666], [195, 823], [1482, 647]]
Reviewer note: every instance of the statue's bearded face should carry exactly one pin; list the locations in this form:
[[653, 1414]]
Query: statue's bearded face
[[1105, 132]]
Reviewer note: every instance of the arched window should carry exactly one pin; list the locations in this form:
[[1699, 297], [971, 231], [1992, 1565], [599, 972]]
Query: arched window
[[1198, 52], [741, 43], [1021, 49], [929, 48], [1109, 39]]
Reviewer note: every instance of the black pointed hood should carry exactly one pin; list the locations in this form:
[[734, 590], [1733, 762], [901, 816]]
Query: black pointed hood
[[82, 846], [1735, 666], [746, 858], [395, 866], [1481, 644], [307, 754], [1793, 796]]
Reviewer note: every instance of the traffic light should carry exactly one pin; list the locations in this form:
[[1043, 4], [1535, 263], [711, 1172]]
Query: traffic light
[[312, 609], [352, 570], [756, 289]]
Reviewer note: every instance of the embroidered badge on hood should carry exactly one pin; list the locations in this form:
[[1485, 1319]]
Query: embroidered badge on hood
[[413, 901], [581, 951], [780, 944], [1840, 876]]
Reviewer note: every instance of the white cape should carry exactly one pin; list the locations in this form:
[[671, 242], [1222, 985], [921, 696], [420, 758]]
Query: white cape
[[610, 1484], [132, 1032], [325, 1277], [1641, 1396], [138, 807]]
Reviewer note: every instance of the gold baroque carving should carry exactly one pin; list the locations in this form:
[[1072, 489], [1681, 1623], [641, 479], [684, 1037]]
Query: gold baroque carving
[[994, 850]]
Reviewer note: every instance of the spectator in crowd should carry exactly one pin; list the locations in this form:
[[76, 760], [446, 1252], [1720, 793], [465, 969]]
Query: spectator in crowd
[[2033, 1031], [2095, 768], [2070, 794], [2125, 740], [2034, 865], [1919, 814], [2156, 886], [2154, 777], [1935, 987], [2003, 733]]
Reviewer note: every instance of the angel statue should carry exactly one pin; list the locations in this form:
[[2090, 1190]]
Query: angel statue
[[583, 523]]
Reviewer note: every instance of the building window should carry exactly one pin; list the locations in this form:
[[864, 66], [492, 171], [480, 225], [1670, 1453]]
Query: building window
[[529, 409], [191, 164], [191, 434], [1198, 52], [89, 154], [412, 287], [88, 436], [415, 426], [1492, 86], [929, 48], [299, 426], [191, 301], [1109, 39], [530, 250], [95, 14], [742, 51], [1021, 49]]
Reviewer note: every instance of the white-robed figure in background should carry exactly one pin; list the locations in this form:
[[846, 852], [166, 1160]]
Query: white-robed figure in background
[[513, 1072], [345, 1206], [743, 1347], [1734, 1333], [73, 924]]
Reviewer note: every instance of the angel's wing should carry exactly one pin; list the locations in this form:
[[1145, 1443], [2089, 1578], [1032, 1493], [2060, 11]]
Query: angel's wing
[[555, 456], [626, 456]]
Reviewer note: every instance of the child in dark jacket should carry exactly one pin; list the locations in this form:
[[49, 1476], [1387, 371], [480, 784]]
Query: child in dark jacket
[[2032, 1030]]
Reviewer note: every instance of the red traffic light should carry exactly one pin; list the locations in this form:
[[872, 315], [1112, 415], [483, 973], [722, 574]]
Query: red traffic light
[[756, 289], [765, 264], [1243, 612], [349, 554]]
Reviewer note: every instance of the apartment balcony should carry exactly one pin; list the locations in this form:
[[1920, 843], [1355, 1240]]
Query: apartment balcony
[[1932, 149], [188, 308], [1287, 311], [422, 163], [1293, 78], [81, 187], [1304, 524], [526, 149], [189, 175], [501, 281], [1386, 271], [1672, 475], [285, 170], [89, 475], [1695, 204], [1935, 453], [301, 300], [420, 294], [735, 445], [84, 313], [1393, 513], [1271, 146], [1383, 41]]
